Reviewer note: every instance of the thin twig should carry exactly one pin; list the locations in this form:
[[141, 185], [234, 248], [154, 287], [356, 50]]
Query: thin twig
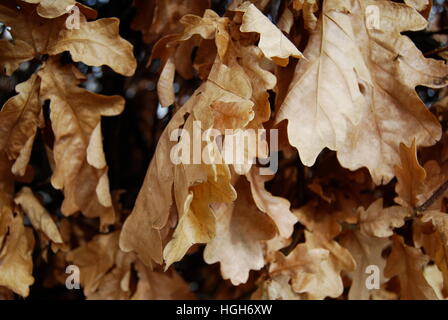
[[435, 51], [436, 195]]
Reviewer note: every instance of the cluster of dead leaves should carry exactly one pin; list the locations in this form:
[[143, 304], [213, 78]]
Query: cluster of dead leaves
[[76, 154], [352, 90]]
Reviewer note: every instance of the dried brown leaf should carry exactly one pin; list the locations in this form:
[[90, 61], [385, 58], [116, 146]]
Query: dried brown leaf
[[407, 264], [97, 43], [38, 215]]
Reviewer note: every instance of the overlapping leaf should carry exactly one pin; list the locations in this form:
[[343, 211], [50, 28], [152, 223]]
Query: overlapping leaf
[[385, 67]]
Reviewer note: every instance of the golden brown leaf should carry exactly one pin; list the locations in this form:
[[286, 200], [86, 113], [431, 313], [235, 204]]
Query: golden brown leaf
[[115, 285], [435, 177], [16, 263], [26, 25], [12, 54], [319, 219], [210, 26], [410, 176], [38, 215], [240, 229], [6, 195], [94, 260], [196, 218], [276, 207], [52, 9], [159, 18], [377, 221], [308, 8], [80, 168], [196, 186], [97, 43], [314, 267], [383, 59], [394, 62], [407, 264], [434, 239], [141, 230], [19, 119], [155, 285], [318, 106]]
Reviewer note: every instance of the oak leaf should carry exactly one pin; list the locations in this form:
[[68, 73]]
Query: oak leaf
[[315, 266], [38, 215], [316, 218], [12, 54], [80, 166], [418, 5], [407, 264], [308, 8], [210, 26], [394, 62], [364, 138], [156, 285], [319, 107], [434, 277], [194, 201], [221, 102], [27, 26], [16, 263], [52, 9], [433, 239], [377, 221], [274, 45], [411, 177], [276, 207], [19, 119], [94, 259], [159, 18], [240, 229], [312, 269], [435, 177], [277, 288], [152, 207], [116, 284], [6, 195], [366, 251], [97, 43]]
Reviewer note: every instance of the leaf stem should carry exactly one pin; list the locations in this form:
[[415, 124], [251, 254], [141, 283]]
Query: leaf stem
[[437, 194]]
